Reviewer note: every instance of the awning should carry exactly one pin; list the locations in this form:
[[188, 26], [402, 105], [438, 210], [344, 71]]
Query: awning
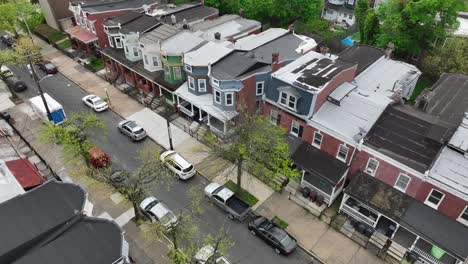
[[81, 34], [25, 173]]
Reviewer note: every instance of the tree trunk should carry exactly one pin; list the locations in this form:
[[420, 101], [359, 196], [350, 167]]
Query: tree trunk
[[174, 240], [136, 209], [239, 174]]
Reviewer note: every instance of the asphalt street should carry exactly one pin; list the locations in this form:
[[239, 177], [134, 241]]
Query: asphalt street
[[247, 249]]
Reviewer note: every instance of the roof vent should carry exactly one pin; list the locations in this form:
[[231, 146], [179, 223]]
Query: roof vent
[[217, 36], [185, 24], [173, 19]]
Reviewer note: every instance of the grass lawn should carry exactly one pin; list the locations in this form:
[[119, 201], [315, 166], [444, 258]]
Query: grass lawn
[[64, 45], [420, 86], [57, 36], [280, 222], [95, 64], [243, 194]]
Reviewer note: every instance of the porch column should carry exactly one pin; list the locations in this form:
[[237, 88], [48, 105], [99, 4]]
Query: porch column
[[200, 114], [192, 107], [224, 127], [135, 79], [178, 100], [345, 197], [88, 48], [414, 243], [208, 119], [396, 229]]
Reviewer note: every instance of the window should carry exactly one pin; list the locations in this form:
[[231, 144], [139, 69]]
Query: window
[[142, 46], [372, 165], [167, 71], [288, 100], [155, 62], [402, 182], [111, 43], [434, 198], [135, 52], [317, 142], [188, 68], [164, 56], [118, 42], [126, 49], [217, 96], [191, 83], [77, 19], [296, 128], [350, 16], [229, 99], [259, 90], [177, 73], [145, 58], [93, 27], [201, 85], [85, 23], [342, 152], [463, 218], [215, 82], [275, 117]]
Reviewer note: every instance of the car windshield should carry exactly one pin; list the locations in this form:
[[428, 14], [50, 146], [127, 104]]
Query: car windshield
[[167, 218], [139, 131], [99, 101], [189, 168], [49, 66], [150, 205], [286, 241]]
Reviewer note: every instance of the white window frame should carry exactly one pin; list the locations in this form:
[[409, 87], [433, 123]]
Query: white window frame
[[293, 123], [226, 98], [85, 23], [275, 120], [191, 83], [111, 41], [288, 100], [376, 167], [177, 73], [460, 219], [118, 42], [338, 153], [200, 82], [145, 59], [217, 96], [142, 46], [77, 19], [188, 68], [93, 27], [257, 88], [430, 204], [127, 50], [215, 82], [137, 52], [155, 59], [313, 140], [396, 182]]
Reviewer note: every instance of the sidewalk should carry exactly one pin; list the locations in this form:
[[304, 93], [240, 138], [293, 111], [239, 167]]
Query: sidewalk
[[106, 202], [314, 235]]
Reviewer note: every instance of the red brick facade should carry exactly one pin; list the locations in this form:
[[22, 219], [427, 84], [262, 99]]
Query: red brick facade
[[450, 205]]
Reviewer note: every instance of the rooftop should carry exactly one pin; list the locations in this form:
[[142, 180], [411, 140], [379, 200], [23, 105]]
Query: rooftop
[[459, 139], [424, 221], [158, 34], [181, 43], [9, 185], [234, 28], [254, 41], [26, 174], [363, 55], [207, 24], [411, 138], [312, 71], [209, 53], [111, 5], [123, 18], [139, 24], [448, 98], [191, 14]]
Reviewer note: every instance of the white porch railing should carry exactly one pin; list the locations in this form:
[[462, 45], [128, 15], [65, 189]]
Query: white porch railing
[[426, 257], [312, 187], [355, 214], [185, 110]]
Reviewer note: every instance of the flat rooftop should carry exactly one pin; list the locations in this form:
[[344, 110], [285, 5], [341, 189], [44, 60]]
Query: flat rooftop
[[158, 34], [231, 29], [209, 53], [182, 42], [189, 14], [111, 5]]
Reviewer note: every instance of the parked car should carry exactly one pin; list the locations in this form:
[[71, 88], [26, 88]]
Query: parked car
[[8, 39], [272, 234], [97, 158], [119, 178], [228, 201], [132, 130], [5, 72], [158, 211], [95, 102], [178, 164], [48, 67], [206, 255], [11, 80]]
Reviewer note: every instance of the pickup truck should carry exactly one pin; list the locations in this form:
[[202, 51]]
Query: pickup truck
[[228, 201]]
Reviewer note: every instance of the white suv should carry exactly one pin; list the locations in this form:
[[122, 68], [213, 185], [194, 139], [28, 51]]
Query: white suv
[[178, 164]]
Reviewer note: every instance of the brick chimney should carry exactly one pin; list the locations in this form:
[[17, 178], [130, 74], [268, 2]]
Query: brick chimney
[[389, 50], [291, 27], [242, 13], [275, 65]]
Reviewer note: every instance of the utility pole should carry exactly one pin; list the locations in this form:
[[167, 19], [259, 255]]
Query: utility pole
[[169, 134]]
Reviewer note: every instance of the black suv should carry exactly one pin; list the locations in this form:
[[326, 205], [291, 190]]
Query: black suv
[[276, 237]]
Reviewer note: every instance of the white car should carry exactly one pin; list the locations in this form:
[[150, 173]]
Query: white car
[[5, 71], [178, 164], [206, 253], [95, 102], [158, 212]]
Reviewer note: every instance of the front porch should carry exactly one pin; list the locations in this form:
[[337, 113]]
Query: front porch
[[82, 39]]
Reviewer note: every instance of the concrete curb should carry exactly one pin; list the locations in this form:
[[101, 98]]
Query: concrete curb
[[310, 253]]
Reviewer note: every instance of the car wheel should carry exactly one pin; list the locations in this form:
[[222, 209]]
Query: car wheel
[[253, 232], [231, 216], [277, 251]]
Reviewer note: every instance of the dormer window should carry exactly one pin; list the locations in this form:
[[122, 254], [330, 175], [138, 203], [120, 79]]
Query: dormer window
[[188, 68], [288, 100], [201, 85], [93, 27], [215, 82], [142, 46], [191, 83], [118, 42]]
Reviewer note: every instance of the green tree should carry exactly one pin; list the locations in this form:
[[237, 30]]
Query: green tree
[[13, 12], [414, 24], [371, 28], [287, 11], [360, 12], [255, 142], [24, 50]]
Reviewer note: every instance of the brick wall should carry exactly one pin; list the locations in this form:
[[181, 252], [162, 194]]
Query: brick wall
[[451, 205]]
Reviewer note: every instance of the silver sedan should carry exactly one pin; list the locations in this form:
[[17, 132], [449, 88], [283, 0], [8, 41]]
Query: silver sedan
[[132, 130]]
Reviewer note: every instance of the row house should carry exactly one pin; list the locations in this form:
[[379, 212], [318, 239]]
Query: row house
[[88, 33], [238, 75], [341, 12], [319, 99]]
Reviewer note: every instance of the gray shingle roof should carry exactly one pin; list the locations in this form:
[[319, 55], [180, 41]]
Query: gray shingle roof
[[111, 5], [158, 34], [363, 55]]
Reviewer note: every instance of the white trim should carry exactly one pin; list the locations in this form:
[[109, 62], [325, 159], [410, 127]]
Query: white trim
[[191, 83], [256, 88], [214, 94], [214, 82], [372, 173], [461, 220], [435, 206], [177, 74], [118, 42], [274, 122], [406, 187], [127, 51], [288, 100], [338, 153], [111, 41], [226, 99], [93, 26], [188, 68], [294, 122], [155, 59], [201, 81], [317, 132], [145, 59], [135, 49]]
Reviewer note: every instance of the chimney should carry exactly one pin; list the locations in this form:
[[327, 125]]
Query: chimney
[[389, 50], [242, 13], [185, 24], [217, 36], [275, 62], [324, 50], [291, 27], [232, 39], [173, 19]]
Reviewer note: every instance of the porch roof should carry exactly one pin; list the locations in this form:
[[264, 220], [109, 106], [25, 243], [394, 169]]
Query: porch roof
[[81, 34], [424, 221], [205, 103], [316, 162]]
